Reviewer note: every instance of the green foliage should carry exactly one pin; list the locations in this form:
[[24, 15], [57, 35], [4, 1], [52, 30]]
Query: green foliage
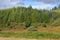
[[28, 16], [56, 22], [32, 28], [31, 35], [43, 25], [27, 24]]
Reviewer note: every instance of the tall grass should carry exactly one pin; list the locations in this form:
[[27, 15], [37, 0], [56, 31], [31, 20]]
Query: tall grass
[[30, 34]]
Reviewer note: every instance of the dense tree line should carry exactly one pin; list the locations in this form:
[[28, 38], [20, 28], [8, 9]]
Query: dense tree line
[[27, 16], [56, 7]]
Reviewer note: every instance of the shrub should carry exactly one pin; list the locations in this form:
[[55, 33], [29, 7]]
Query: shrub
[[27, 24], [56, 22], [32, 28], [0, 29], [43, 24]]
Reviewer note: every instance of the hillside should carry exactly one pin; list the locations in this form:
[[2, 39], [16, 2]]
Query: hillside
[[30, 19]]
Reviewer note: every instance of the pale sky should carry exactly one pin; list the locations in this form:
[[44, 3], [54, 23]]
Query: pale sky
[[39, 4]]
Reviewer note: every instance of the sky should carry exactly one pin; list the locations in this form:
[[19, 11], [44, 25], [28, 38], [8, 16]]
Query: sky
[[39, 4]]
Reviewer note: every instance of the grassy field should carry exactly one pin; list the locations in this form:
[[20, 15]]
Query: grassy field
[[36, 35]]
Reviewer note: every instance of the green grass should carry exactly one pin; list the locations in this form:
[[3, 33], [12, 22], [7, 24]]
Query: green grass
[[30, 34]]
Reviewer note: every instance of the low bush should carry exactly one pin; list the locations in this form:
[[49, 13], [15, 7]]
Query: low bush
[[32, 28], [44, 25]]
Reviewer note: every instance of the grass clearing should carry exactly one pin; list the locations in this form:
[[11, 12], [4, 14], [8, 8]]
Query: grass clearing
[[30, 35]]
